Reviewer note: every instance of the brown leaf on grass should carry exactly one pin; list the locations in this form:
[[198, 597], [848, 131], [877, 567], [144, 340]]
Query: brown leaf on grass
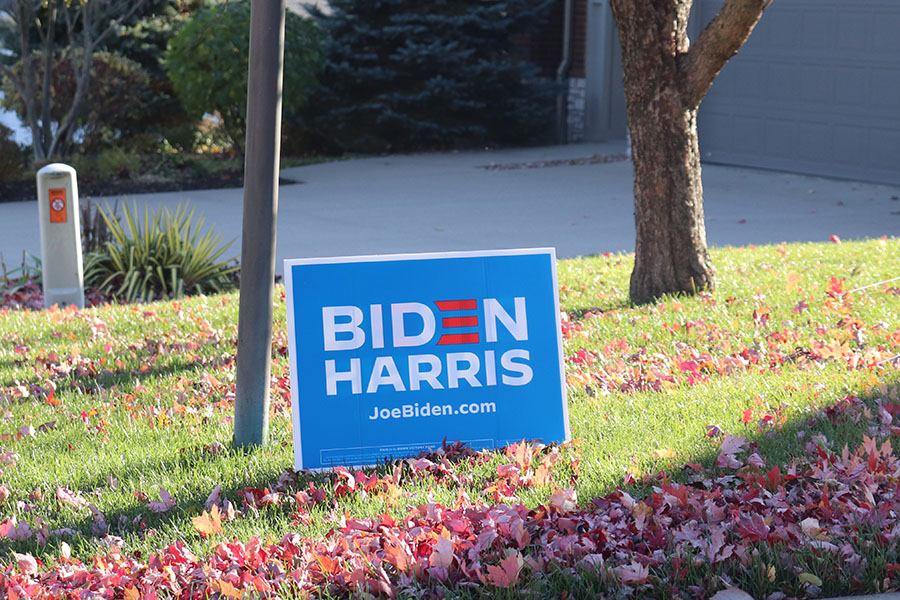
[[72, 500], [210, 523], [166, 503], [214, 497]]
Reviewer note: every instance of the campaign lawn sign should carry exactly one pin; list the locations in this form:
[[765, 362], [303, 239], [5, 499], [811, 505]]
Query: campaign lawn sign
[[392, 354]]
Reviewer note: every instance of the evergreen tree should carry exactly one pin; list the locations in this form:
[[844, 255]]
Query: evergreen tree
[[408, 74]]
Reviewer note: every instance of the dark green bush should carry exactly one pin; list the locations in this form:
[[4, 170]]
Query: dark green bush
[[207, 63], [11, 156], [411, 74], [163, 256]]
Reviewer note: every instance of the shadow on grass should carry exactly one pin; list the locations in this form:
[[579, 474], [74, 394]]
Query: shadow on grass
[[104, 378], [137, 518], [840, 422]]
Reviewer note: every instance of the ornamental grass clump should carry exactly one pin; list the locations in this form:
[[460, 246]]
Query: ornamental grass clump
[[163, 256]]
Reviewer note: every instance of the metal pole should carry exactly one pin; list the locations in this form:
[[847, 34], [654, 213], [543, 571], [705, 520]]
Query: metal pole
[[251, 410]]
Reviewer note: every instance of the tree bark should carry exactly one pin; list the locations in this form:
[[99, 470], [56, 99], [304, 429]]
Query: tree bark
[[665, 80]]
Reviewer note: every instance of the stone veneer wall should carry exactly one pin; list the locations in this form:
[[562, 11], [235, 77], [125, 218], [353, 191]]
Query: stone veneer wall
[[575, 112]]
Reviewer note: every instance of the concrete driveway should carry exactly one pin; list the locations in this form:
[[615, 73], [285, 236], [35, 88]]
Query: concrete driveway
[[450, 201]]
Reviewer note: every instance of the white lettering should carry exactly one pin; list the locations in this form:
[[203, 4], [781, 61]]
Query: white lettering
[[490, 367], [398, 325], [332, 376], [518, 327], [392, 377], [417, 376], [331, 327], [523, 368], [454, 373], [377, 325]]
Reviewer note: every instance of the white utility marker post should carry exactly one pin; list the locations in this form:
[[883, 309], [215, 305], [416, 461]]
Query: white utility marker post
[[251, 406], [60, 223]]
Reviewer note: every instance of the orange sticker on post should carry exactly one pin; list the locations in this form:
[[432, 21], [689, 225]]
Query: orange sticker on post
[[58, 212]]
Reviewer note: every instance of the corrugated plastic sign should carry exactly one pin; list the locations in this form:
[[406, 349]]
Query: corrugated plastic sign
[[390, 355]]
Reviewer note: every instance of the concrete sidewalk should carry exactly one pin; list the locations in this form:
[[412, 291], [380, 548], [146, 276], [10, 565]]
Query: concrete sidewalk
[[449, 201]]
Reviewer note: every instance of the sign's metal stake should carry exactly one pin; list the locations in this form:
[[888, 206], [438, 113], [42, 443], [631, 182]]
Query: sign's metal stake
[[251, 410]]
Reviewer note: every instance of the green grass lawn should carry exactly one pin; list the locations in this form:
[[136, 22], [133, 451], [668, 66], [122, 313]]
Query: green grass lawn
[[115, 428]]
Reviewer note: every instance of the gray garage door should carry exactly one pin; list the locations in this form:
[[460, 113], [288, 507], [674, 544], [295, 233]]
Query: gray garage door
[[816, 89]]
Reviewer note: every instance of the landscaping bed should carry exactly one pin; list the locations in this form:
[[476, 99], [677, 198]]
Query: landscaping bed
[[196, 173], [744, 437]]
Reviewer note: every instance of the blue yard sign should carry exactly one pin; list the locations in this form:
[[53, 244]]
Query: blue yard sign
[[390, 355]]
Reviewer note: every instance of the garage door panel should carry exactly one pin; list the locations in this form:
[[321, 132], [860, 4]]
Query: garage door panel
[[720, 131], [817, 84], [751, 132], [815, 142], [781, 35], [783, 82], [852, 88], [886, 148], [854, 32], [818, 30], [745, 81], [816, 89], [851, 144], [886, 88], [886, 34]]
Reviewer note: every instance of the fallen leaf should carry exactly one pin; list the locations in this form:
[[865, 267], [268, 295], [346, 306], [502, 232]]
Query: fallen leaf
[[73, 501], [210, 523], [27, 563], [214, 497], [633, 574], [442, 553], [810, 578], [166, 504], [507, 574], [731, 593], [565, 500]]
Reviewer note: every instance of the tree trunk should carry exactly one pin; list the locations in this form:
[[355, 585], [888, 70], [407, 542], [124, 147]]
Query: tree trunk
[[670, 246], [665, 79]]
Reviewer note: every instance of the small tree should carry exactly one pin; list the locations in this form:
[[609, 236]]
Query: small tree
[[405, 74], [84, 25], [665, 79], [208, 58], [113, 101]]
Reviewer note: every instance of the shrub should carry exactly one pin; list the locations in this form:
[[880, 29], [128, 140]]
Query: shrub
[[411, 74], [207, 62], [113, 103], [165, 256], [118, 162], [94, 231], [10, 155]]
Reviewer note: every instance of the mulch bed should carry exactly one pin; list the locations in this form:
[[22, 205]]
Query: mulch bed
[[16, 191]]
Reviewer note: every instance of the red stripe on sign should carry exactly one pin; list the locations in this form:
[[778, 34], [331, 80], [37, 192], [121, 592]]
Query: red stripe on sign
[[458, 338], [460, 321], [456, 304]]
